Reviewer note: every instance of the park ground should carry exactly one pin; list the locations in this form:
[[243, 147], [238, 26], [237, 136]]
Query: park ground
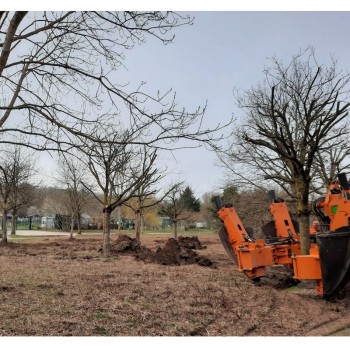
[[54, 286]]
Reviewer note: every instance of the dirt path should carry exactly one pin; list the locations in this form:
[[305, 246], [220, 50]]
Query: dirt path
[[40, 233]]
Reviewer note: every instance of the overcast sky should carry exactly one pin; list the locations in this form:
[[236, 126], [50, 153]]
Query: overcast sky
[[226, 50]]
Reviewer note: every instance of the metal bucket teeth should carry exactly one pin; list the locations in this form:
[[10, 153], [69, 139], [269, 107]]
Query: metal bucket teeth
[[226, 243], [334, 250]]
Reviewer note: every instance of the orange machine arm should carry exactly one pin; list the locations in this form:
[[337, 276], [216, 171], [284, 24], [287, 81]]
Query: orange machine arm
[[254, 255], [283, 222], [329, 260]]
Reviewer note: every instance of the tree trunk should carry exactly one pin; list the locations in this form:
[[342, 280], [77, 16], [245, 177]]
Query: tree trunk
[[141, 223], [71, 226], [13, 225], [175, 229], [304, 234], [303, 214], [79, 223], [119, 220], [106, 230], [138, 225], [4, 226]]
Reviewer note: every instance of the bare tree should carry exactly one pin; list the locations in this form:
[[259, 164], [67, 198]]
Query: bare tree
[[209, 211], [290, 121], [16, 170], [59, 82], [60, 87], [23, 195], [118, 171], [52, 202], [175, 206], [71, 174], [145, 197]]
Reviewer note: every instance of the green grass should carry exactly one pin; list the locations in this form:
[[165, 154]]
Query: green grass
[[101, 315], [293, 289], [102, 331], [19, 237], [34, 227]]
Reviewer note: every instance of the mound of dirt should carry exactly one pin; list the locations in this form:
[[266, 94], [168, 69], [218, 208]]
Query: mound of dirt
[[190, 242], [124, 244], [172, 253]]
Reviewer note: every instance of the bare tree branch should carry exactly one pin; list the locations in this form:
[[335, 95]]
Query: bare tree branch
[[294, 131]]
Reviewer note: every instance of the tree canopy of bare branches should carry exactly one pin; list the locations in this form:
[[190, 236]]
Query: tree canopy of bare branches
[[292, 126], [71, 174], [118, 170], [179, 204], [16, 171], [59, 81], [146, 196]]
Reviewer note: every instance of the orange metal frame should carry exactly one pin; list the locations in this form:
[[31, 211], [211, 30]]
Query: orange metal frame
[[254, 255]]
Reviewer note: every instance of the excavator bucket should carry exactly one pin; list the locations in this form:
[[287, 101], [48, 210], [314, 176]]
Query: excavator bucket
[[226, 243], [334, 251]]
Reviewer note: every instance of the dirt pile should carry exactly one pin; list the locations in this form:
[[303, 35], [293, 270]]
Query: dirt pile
[[190, 242], [125, 244], [173, 252]]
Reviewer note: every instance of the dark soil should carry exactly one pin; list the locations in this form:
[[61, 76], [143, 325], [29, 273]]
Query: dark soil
[[173, 252], [126, 244], [190, 242]]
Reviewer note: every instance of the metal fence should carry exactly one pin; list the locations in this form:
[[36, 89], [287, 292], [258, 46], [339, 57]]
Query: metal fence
[[28, 223]]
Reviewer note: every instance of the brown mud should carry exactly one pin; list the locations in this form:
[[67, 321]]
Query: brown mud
[[172, 252]]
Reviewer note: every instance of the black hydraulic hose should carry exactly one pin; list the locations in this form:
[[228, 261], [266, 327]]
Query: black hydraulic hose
[[218, 202], [318, 211]]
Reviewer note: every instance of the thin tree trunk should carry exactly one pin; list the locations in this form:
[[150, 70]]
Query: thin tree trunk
[[4, 226], [13, 225], [106, 230], [175, 229], [138, 225], [119, 220], [141, 223], [79, 223], [71, 227]]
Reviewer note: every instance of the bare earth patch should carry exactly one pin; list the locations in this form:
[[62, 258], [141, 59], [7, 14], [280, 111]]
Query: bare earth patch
[[173, 252], [60, 287]]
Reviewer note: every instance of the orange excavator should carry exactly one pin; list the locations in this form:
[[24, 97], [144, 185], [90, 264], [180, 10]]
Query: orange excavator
[[328, 263]]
